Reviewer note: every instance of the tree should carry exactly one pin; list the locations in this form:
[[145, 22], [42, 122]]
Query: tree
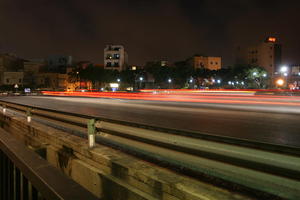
[[244, 76], [256, 77], [183, 71], [160, 73], [127, 76]]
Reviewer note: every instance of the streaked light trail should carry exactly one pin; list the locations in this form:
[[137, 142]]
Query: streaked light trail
[[217, 97]]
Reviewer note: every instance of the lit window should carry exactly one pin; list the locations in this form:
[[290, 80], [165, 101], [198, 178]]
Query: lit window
[[116, 56], [108, 56]]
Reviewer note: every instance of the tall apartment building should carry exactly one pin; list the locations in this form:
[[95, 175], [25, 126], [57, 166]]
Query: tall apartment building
[[211, 63], [266, 54], [115, 57]]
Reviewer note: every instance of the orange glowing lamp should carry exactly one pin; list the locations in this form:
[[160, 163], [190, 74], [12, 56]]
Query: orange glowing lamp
[[280, 82], [271, 39]]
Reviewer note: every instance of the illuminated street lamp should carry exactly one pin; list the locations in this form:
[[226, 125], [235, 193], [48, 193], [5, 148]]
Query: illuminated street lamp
[[254, 73], [219, 81], [78, 79], [284, 69], [141, 80], [265, 75], [118, 80], [169, 81], [280, 82]]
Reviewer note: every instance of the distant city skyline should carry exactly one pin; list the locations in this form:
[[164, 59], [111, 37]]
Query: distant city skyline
[[156, 30]]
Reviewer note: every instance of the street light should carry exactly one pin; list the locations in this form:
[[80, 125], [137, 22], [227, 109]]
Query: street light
[[169, 81], [118, 80], [280, 82], [141, 80], [265, 75], [283, 69], [78, 79], [254, 73], [218, 81]]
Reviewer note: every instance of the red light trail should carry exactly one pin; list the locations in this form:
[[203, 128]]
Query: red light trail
[[194, 96]]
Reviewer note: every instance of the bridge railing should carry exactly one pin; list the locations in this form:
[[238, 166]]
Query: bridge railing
[[268, 170], [24, 175]]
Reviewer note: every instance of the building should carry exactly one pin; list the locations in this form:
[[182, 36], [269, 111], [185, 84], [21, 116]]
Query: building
[[211, 63], [115, 57], [52, 81], [11, 70], [31, 71], [12, 78], [10, 62], [58, 63], [33, 66], [266, 54], [294, 77], [295, 70]]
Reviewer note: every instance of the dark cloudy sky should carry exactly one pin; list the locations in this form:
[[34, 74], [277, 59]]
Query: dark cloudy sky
[[149, 29]]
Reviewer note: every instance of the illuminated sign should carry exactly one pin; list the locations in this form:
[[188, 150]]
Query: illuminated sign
[[114, 85]]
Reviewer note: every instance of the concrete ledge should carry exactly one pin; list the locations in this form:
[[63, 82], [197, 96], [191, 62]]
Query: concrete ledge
[[108, 173]]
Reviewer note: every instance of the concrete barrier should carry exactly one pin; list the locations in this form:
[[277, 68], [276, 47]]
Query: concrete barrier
[[108, 173]]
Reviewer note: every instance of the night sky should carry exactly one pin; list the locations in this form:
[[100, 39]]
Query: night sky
[[149, 29]]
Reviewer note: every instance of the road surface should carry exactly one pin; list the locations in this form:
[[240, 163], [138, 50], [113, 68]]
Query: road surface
[[259, 118]]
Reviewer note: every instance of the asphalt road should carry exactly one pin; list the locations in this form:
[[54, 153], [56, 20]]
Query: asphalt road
[[277, 123]]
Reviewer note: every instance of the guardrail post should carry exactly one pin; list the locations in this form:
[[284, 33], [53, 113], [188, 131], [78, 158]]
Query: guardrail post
[[91, 132], [28, 114], [4, 109]]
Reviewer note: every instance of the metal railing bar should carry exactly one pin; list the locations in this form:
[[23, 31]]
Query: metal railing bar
[[222, 139]]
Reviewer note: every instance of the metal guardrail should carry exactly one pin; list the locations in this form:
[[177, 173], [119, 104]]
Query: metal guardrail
[[264, 170], [24, 175]]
